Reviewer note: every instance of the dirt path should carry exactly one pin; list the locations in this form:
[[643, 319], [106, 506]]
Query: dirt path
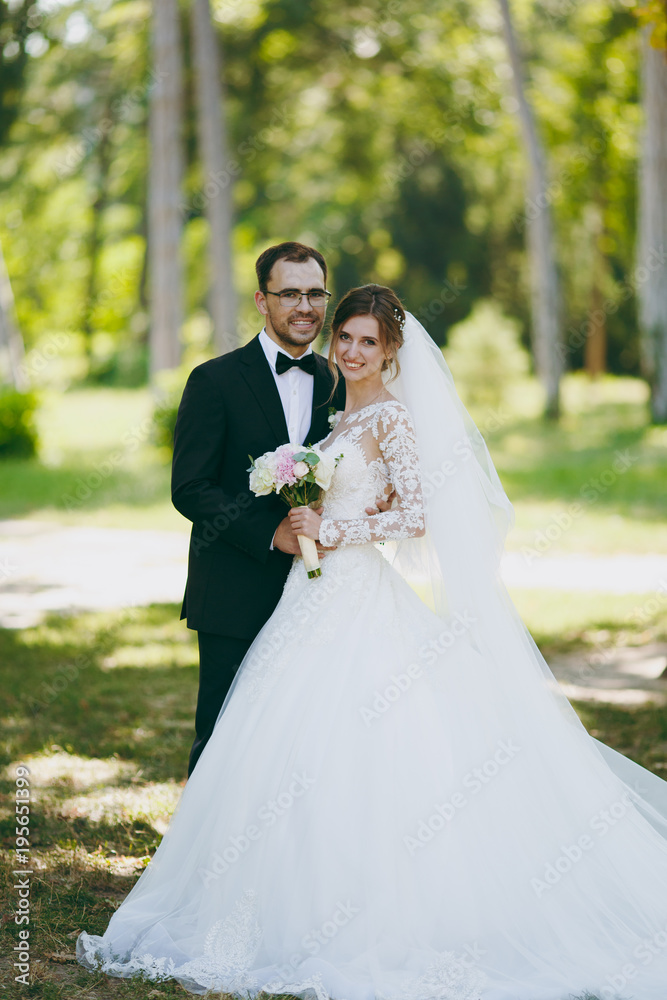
[[50, 568]]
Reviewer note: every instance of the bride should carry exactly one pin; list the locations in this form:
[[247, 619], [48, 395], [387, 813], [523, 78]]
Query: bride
[[397, 802]]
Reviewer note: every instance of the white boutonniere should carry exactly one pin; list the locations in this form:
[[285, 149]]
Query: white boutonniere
[[334, 417]]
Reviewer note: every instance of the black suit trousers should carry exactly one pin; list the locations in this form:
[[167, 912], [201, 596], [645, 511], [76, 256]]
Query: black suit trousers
[[220, 657]]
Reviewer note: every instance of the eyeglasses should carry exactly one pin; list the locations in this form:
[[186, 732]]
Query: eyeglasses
[[292, 297]]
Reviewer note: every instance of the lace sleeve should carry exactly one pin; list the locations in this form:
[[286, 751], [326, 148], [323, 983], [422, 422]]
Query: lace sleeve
[[394, 433]]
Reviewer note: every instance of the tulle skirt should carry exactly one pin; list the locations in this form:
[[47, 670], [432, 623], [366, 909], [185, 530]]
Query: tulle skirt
[[375, 817]]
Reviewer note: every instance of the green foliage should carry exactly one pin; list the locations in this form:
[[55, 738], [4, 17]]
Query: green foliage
[[16, 20], [18, 433], [168, 390], [654, 14], [486, 356], [123, 367], [385, 134]]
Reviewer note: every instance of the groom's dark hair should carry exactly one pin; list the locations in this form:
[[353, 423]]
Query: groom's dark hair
[[297, 252]]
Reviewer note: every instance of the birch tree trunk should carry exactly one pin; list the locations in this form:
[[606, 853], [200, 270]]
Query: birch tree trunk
[[217, 187], [595, 350], [544, 281], [101, 166], [651, 273], [11, 342], [165, 221]]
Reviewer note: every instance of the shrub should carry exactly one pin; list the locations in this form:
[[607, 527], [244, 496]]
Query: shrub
[[18, 434], [168, 387], [486, 355], [125, 368]]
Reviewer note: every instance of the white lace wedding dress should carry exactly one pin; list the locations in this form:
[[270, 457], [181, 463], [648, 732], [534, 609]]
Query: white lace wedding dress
[[374, 818]]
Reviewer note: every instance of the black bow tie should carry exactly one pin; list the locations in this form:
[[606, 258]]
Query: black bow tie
[[284, 363]]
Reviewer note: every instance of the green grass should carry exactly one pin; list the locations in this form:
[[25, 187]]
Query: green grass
[[545, 468], [97, 465], [100, 708], [567, 621], [99, 440]]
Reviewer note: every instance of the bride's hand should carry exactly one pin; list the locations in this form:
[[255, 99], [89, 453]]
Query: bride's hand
[[306, 522]]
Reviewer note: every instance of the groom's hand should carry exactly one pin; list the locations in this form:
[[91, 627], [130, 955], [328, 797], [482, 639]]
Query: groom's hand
[[382, 504], [285, 539]]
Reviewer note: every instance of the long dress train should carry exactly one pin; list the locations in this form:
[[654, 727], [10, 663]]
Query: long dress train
[[376, 817]]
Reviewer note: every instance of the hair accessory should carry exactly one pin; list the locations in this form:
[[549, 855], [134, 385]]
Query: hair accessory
[[401, 319]]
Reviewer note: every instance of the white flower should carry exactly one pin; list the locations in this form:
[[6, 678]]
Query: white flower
[[301, 469], [262, 477], [333, 419], [324, 469]]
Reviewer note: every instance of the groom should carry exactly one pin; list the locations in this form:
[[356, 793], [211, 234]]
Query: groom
[[247, 402]]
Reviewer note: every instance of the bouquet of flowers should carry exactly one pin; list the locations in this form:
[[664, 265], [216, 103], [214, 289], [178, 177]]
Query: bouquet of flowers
[[300, 475]]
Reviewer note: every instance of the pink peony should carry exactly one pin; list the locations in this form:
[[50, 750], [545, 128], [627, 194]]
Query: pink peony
[[285, 466]]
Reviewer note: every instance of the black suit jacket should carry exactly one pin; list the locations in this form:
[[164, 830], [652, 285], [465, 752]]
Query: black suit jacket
[[231, 409]]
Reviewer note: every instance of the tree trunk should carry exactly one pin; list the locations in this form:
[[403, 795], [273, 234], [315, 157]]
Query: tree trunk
[[165, 223], [217, 187], [651, 274], [95, 235], [11, 341], [595, 352], [544, 280]]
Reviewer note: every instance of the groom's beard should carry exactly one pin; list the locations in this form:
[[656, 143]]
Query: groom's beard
[[292, 337]]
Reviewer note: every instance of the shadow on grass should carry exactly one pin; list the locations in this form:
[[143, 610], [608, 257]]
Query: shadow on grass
[[100, 684], [104, 726]]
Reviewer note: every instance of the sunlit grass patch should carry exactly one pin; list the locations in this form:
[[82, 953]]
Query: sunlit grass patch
[[61, 770], [110, 792], [81, 684], [565, 620]]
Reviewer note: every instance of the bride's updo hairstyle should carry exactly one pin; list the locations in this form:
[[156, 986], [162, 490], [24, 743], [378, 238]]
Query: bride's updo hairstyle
[[371, 300]]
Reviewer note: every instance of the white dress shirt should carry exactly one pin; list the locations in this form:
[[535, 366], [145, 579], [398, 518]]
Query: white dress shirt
[[296, 390]]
